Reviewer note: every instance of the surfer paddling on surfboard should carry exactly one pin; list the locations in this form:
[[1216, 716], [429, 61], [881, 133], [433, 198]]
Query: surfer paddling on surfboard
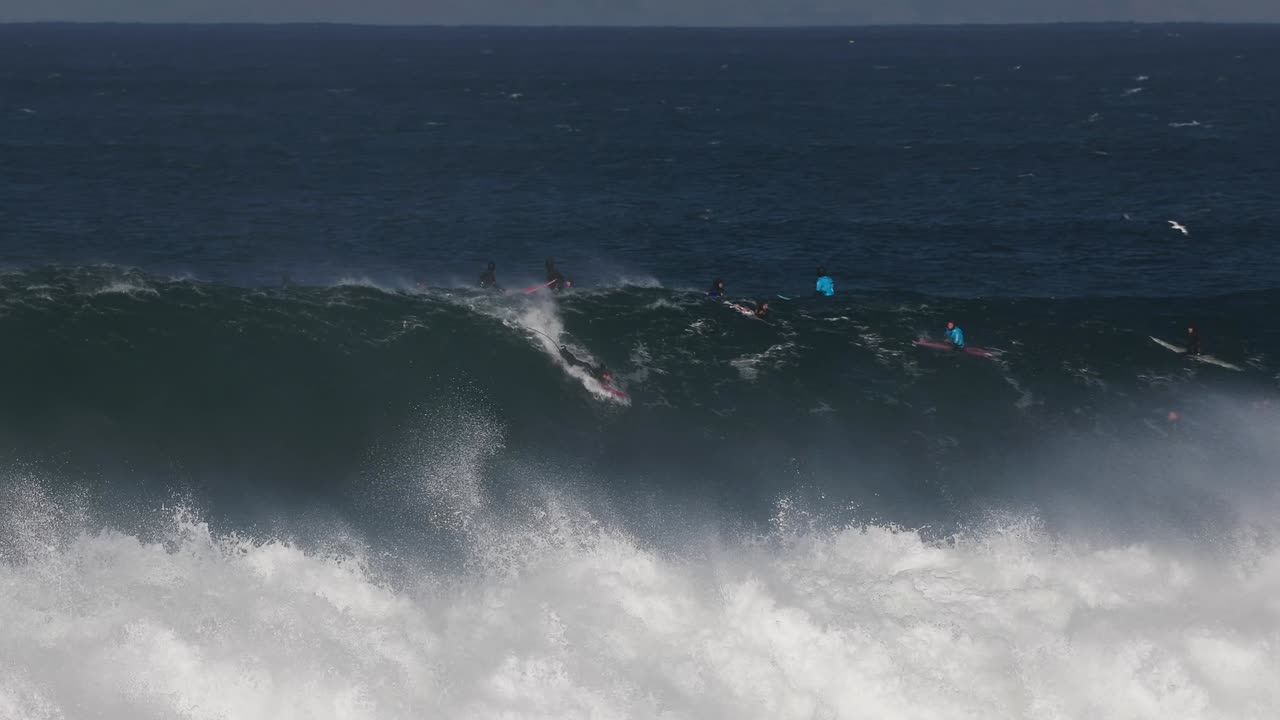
[[761, 310], [599, 372], [954, 341]]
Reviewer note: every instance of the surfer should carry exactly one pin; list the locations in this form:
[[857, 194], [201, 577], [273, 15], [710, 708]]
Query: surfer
[[1193, 341], [826, 286], [717, 288], [954, 335], [762, 309], [489, 278], [599, 372], [555, 280]]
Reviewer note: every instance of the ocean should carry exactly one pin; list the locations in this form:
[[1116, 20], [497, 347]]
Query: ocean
[[267, 451]]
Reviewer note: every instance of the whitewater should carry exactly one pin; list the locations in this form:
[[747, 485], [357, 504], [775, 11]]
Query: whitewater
[[558, 615], [555, 601]]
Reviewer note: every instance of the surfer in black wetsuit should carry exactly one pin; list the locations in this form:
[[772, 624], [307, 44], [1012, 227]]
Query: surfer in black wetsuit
[[599, 372], [489, 278], [717, 288], [555, 280], [762, 309], [1193, 341]]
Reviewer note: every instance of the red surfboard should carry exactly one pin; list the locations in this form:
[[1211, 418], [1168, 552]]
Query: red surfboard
[[970, 350], [613, 390]]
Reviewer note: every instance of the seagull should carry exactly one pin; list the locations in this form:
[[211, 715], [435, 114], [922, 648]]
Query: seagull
[[1178, 226]]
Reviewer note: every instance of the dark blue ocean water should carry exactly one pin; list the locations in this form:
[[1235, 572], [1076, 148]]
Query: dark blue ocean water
[[266, 451], [973, 162]]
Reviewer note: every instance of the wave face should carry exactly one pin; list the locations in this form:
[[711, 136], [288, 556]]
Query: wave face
[[355, 502], [251, 397]]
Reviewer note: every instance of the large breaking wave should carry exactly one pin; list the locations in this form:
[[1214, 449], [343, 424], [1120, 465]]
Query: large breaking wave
[[351, 502]]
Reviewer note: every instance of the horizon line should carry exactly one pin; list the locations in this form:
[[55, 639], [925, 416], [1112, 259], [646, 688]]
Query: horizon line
[[655, 26]]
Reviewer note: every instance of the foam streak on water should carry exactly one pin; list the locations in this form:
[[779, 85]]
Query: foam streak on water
[[565, 617]]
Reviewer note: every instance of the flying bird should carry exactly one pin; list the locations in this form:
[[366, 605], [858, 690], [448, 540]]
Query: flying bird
[[1179, 227]]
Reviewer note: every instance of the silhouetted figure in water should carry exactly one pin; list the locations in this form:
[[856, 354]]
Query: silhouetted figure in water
[[489, 278], [555, 279], [1193, 341], [599, 372]]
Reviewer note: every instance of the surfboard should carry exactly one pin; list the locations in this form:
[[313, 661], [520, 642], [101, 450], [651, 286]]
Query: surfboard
[[593, 384], [601, 388], [743, 309], [612, 390], [968, 349], [1209, 359]]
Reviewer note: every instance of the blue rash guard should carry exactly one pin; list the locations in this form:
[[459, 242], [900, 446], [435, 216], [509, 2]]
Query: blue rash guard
[[826, 286], [955, 336]]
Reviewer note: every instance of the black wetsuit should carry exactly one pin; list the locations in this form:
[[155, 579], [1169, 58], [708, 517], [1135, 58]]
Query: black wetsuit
[[596, 371], [717, 289], [555, 280], [489, 280], [1193, 343]]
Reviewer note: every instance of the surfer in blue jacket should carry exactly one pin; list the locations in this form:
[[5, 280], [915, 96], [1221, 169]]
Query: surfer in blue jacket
[[955, 336], [717, 288], [826, 286]]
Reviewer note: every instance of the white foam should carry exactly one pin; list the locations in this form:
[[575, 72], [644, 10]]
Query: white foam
[[563, 616], [638, 281], [541, 320], [749, 365], [124, 287], [364, 281]]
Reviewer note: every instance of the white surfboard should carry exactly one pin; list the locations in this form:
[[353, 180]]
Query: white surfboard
[[742, 309], [1211, 360]]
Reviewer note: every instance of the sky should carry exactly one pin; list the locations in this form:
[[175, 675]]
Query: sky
[[640, 12]]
